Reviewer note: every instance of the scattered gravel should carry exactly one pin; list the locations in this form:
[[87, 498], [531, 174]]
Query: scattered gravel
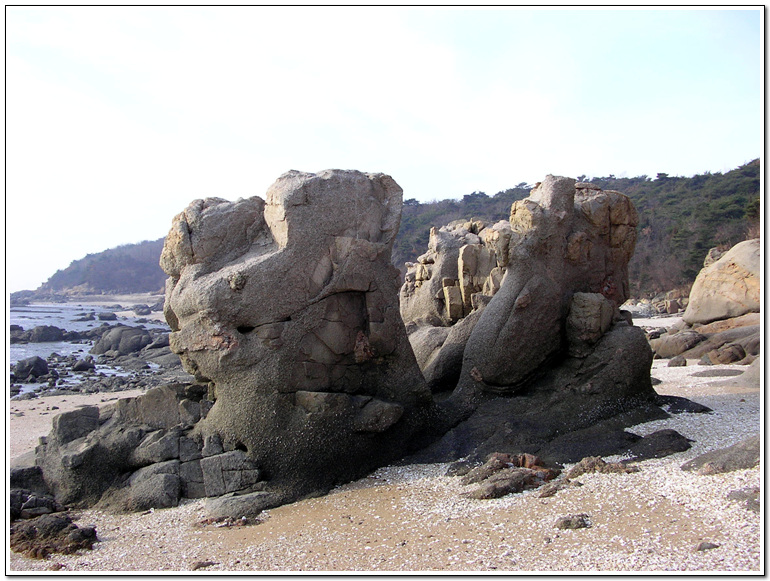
[[413, 518]]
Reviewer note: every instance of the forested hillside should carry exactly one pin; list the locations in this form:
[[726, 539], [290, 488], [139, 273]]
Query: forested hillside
[[680, 219], [130, 268]]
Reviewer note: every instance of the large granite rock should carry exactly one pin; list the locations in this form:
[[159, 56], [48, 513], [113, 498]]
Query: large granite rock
[[513, 294], [288, 308], [285, 312], [728, 287]]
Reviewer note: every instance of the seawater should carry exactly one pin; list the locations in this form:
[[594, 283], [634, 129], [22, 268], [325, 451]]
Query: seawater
[[61, 315]]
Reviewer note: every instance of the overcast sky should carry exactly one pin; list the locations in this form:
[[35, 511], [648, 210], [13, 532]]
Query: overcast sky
[[118, 117]]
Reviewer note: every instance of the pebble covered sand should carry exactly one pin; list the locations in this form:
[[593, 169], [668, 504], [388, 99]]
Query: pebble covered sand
[[413, 518]]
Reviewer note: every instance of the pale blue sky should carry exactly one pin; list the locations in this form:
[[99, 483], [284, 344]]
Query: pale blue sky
[[117, 118]]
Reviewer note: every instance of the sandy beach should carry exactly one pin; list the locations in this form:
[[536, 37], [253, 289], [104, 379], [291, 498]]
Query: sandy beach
[[128, 301], [414, 518]]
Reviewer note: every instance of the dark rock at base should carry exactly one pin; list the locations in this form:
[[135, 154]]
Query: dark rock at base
[[659, 445], [611, 385], [122, 340], [600, 440], [674, 404], [574, 521], [26, 504], [739, 456], [157, 491], [750, 496], [677, 361], [85, 364], [31, 366], [28, 478], [718, 373], [45, 334], [51, 533], [238, 506]]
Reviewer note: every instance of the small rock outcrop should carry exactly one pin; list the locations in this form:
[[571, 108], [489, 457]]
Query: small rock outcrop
[[50, 533], [740, 456], [722, 323], [728, 287]]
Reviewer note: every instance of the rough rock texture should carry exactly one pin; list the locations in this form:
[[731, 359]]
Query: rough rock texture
[[728, 287], [122, 340], [287, 307], [739, 456], [561, 261], [127, 455], [734, 340], [673, 344], [543, 326], [285, 312], [50, 533], [574, 521], [576, 409], [593, 464], [505, 474]]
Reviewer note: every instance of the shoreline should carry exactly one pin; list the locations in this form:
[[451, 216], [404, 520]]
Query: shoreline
[[413, 518]]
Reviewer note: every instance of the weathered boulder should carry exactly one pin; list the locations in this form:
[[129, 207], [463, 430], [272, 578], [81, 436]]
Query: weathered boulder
[[673, 344], [575, 409], [25, 504], [728, 287], [50, 533], [112, 455], [288, 308], [740, 456], [730, 353], [122, 340], [564, 250], [45, 334], [285, 312], [747, 320], [85, 364], [590, 317], [31, 366], [748, 337], [677, 361], [141, 309]]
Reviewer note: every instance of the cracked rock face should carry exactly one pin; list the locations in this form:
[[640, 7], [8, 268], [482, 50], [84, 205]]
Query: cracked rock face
[[488, 305], [288, 307]]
